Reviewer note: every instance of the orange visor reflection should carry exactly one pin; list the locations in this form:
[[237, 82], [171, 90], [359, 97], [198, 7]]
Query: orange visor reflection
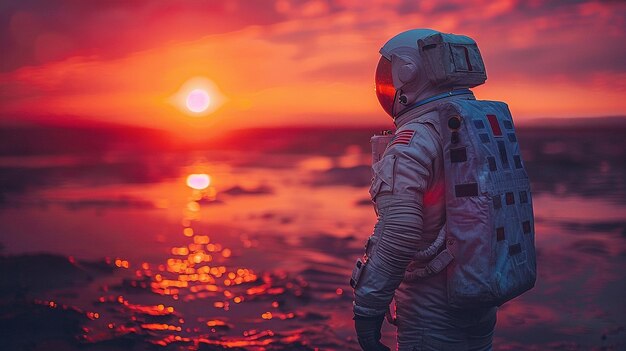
[[385, 91]]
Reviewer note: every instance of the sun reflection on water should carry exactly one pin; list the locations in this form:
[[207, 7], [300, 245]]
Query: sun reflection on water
[[200, 270], [198, 181]]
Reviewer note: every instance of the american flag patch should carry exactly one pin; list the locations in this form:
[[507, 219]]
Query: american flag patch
[[402, 137]]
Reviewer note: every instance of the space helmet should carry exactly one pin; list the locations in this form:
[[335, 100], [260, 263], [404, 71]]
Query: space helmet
[[420, 63]]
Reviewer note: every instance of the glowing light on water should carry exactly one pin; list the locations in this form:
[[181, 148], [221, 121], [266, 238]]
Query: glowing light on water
[[121, 263], [215, 323], [188, 232], [198, 181]]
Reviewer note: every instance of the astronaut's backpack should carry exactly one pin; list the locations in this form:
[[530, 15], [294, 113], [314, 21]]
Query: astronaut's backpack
[[489, 254]]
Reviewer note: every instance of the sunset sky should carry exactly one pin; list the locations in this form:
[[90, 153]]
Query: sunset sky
[[288, 62]]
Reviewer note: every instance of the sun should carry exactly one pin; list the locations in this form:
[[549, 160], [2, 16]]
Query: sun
[[198, 100], [198, 97]]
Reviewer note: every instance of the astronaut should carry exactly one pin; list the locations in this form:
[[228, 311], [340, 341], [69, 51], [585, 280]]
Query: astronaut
[[409, 191]]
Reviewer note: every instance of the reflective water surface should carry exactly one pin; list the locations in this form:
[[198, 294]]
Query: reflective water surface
[[250, 246]]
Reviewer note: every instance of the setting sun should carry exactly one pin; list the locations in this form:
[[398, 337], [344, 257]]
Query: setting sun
[[198, 100], [198, 97]]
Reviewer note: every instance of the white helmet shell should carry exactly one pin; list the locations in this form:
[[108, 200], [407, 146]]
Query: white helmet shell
[[406, 39], [425, 62]]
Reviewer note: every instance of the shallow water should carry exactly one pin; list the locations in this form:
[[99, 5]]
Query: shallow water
[[116, 252]]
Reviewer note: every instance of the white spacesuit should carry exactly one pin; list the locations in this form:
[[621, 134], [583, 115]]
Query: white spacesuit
[[422, 81]]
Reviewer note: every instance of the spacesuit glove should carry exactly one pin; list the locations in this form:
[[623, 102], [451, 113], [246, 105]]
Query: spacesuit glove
[[368, 332]]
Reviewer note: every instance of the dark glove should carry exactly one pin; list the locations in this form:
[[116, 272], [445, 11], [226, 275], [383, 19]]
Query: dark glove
[[368, 332]]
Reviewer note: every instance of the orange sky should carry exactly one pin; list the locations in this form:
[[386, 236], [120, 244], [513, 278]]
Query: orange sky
[[293, 62]]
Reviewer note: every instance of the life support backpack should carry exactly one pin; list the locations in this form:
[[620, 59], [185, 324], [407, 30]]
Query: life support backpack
[[489, 253]]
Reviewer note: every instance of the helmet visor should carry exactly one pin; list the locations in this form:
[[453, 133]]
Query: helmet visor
[[385, 91]]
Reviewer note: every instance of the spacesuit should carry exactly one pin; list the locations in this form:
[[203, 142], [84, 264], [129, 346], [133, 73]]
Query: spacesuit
[[408, 192]]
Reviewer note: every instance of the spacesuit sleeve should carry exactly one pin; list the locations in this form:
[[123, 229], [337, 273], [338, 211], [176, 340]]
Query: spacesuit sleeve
[[400, 179]]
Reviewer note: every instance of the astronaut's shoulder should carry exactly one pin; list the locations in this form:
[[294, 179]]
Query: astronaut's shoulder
[[402, 137], [414, 134]]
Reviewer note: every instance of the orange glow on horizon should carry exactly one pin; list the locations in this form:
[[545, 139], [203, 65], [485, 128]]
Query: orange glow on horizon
[[267, 76]]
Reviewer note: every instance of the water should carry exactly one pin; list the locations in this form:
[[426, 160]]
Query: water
[[109, 248]]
